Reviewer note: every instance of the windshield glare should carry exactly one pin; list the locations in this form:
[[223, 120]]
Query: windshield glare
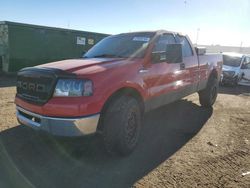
[[123, 45], [231, 61]]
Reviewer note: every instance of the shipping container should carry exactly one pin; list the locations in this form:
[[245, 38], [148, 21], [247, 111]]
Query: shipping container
[[25, 45]]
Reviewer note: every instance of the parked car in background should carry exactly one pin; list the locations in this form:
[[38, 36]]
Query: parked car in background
[[235, 68]]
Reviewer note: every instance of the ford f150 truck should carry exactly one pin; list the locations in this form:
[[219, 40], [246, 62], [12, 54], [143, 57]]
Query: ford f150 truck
[[109, 89]]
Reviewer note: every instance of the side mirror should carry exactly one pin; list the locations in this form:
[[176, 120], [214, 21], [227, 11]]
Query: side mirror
[[174, 53], [158, 56]]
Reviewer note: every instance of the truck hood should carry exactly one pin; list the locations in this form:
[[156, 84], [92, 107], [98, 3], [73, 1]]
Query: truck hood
[[229, 68], [92, 64]]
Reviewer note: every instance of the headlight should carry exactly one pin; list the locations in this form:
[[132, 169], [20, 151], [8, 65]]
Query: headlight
[[73, 88], [229, 73]]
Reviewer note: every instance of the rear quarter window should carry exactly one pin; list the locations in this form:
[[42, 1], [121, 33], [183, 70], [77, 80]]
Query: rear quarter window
[[186, 47]]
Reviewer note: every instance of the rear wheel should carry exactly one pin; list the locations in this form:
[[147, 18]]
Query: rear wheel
[[208, 95], [122, 125]]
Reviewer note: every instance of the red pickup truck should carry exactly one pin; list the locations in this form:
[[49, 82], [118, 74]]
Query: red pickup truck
[[109, 89]]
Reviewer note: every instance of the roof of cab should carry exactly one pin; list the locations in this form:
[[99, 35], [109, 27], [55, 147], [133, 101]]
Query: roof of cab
[[155, 31]]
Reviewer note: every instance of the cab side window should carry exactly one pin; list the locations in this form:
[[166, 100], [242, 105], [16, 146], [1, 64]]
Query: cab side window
[[186, 47], [162, 42]]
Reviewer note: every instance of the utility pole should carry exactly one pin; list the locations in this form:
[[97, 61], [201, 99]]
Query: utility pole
[[197, 36], [241, 44], [68, 24]]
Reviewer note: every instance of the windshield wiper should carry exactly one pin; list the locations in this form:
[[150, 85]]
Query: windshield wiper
[[107, 55]]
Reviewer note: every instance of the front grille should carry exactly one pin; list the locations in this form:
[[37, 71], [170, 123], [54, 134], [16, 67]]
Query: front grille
[[36, 85], [35, 88], [227, 74]]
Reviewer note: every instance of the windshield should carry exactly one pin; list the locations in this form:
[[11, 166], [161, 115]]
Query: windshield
[[123, 45], [232, 61]]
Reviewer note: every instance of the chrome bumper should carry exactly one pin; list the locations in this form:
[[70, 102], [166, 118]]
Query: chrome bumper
[[58, 126]]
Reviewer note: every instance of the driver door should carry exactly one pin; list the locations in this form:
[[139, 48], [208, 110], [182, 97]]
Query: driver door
[[162, 78]]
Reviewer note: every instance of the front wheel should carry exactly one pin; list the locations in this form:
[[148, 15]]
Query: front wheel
[[122, 125], [208, 95]]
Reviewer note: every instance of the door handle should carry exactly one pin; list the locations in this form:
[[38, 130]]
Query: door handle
[[143, 70], [182, 66]]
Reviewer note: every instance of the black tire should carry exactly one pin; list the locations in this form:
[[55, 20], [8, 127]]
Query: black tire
[[122, 125], [208, 95]]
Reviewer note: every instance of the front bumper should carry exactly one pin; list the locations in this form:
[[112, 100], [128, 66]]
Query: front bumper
[[228, 79], [58, 126]]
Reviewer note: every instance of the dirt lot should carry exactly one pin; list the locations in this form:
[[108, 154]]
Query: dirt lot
[[182, 145]]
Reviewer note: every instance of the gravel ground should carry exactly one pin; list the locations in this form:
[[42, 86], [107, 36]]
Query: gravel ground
[[182, 145]]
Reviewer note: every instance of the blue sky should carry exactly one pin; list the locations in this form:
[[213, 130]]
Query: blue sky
[[225, 22]]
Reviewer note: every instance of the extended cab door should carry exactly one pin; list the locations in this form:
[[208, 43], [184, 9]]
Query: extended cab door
[[190, 65], [245, 71], [163, 80]]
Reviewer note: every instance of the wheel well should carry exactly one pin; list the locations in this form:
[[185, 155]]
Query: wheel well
[[123, 91], [214, 74]]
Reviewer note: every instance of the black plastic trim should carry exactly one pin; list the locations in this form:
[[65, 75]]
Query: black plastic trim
[[38, 72]]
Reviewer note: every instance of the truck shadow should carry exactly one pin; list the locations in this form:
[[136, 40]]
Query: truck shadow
[[238, 90], [30, 158]]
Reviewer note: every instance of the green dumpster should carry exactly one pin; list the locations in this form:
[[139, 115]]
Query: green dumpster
[[25, 45]]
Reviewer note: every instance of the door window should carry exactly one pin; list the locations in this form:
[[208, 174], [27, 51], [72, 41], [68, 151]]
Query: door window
[[246, 63], [161, 44], [160, 47]]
